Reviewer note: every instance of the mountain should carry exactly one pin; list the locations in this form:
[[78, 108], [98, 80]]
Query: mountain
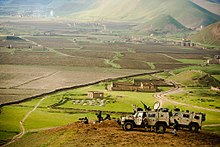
[[214, 1], [184, 11], [24, 2], [212, 6], [59, 7], [209, 35], [161, 25], [195, 78], [65, 7]]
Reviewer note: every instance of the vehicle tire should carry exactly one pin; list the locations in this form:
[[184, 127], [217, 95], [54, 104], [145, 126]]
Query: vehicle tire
[[194, 127], [128, 126], [161, 128]]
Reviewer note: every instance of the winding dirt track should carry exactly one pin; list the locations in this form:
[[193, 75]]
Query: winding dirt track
[[23, 131], [177, 89]]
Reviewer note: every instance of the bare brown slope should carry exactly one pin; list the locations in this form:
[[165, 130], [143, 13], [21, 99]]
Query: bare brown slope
[[110, 134], [210, 6]]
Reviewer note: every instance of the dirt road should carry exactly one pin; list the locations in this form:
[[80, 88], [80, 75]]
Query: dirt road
[[22, 128], [161, 96]]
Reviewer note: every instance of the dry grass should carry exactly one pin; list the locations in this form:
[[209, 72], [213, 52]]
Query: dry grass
[[110, 134]]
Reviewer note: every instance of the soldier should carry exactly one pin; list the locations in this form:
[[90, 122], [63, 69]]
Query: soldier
[[108, 117], [175, 127], [86, 121], [99, 116]]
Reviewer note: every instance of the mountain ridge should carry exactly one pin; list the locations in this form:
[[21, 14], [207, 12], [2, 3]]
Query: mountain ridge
[[209, 35], [143, 11], [185, 12]]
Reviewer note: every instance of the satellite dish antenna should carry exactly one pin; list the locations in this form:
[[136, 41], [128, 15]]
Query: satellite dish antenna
[[156, 105]]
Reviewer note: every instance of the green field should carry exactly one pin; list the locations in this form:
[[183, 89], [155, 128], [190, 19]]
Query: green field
[[9, 121], [65, 113], [213, 69], [204, 97], [192, 61]]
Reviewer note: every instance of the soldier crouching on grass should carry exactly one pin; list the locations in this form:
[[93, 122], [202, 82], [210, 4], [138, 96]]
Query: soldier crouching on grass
[[175, 127], [86, 121], [99, 116]]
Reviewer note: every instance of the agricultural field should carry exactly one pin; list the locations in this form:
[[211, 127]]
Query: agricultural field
[[39, 58], [56, 51], [66, 107], [22, 81]]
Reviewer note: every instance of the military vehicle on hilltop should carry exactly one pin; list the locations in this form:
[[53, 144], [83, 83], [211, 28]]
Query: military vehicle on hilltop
[[159, 119]]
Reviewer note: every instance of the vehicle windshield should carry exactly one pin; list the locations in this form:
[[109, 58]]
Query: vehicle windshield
[[138, 114]]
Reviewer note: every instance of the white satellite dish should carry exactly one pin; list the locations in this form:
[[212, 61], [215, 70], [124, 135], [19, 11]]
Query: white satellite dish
[[156, 105]]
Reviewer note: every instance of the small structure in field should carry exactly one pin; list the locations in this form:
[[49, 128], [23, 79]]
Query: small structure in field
[[215, 60], [95, 94], [215, 88], [10, 46]]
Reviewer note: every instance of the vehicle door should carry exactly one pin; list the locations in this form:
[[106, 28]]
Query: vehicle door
[[152, 118], [185, 119], [138, 118]]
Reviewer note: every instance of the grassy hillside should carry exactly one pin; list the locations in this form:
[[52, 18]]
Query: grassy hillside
[[209, 35], [162, 24], [195, 78], [186, 12]]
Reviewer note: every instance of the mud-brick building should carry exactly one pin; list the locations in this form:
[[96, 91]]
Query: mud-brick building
[[155, 82], [95, 94], [188, 43], [125, 86]]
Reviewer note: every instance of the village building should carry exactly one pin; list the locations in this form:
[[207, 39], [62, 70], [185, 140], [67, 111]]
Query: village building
[[186, 42], [10, 46], [156, 82], [125, 86], [95, 94]]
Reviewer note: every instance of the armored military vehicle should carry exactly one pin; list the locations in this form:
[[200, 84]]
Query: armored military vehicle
[[191, 120], [159, 119]]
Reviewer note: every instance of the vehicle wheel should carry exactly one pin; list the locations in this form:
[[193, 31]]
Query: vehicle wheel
[[128, 126], [194, 128], [160, 128]]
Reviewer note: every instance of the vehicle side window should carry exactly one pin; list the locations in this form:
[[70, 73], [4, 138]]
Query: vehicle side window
[[196, 117], [186, 115], [140, 114], [151, 115]]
